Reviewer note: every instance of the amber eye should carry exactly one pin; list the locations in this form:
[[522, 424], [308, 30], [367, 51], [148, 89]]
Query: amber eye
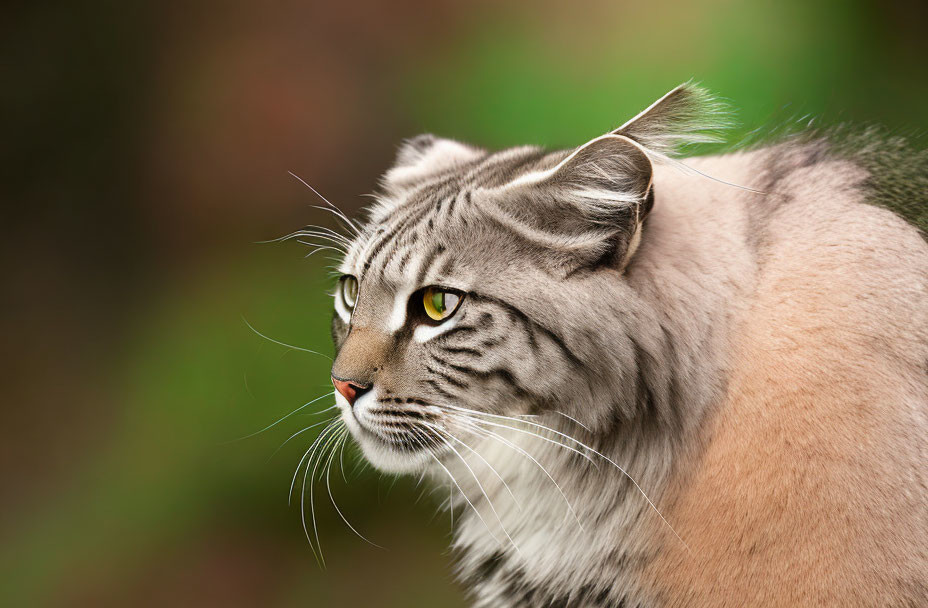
[[349, 291], [440, 304]]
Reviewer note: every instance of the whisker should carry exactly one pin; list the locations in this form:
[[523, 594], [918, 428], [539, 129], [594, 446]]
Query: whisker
[[318, 248], [340, 442], [331, 430], [323, 232], [327, 241], [311, 453], [279, 420], [584, 446], [461, 490], [539, 436], [303, 513], [327, 202], [479, 485], [327, 230], [341, 460], [523, 421], [311, 231], [300, 348], [300, 432], [524, 452], [477, 454], [451, 504], [342, 219], [305, 454], [572, 419]]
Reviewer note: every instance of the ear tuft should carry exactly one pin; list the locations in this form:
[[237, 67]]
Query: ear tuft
[[412, 149], [686, 116], [604, 177]]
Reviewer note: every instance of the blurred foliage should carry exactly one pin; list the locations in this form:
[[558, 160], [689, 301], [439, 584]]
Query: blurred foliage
[[151, 147]]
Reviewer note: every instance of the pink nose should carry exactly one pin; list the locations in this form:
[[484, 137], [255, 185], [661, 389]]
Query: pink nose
[[349, 390]]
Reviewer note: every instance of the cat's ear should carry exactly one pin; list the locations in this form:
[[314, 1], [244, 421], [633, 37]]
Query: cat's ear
[[588, 208], [425, 155], [685, 116]]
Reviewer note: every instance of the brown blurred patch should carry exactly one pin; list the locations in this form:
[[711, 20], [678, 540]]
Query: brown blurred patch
[[225, 568], [242, 95]]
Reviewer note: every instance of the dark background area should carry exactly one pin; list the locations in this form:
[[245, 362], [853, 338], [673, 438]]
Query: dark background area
[[145, 150]]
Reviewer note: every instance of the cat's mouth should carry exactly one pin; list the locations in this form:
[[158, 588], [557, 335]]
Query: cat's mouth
[[392, 440]]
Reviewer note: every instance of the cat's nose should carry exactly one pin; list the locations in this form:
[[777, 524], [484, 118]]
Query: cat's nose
[[349, 389]]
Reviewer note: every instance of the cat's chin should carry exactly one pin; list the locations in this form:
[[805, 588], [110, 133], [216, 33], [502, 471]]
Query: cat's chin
[[382, 455], [390, 460]]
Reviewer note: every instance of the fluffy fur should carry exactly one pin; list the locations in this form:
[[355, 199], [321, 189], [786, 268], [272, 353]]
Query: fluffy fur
[[659, 389]]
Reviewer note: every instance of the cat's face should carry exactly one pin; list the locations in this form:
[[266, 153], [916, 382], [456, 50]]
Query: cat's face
[[480, 287], [454, 300]]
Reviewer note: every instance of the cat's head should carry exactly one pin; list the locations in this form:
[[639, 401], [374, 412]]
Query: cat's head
[[483, 282]]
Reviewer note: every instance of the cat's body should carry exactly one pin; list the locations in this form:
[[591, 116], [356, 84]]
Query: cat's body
[[730, 398], [804, 482]]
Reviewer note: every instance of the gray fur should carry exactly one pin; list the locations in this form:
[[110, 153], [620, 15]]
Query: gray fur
[[628, 355]]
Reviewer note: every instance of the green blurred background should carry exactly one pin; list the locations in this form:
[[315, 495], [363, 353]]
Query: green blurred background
[[146, 148]]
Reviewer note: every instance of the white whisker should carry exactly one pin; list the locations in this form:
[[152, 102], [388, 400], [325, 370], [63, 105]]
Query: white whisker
[[327, 202], [461, 490], [328, 469], [581, 444], [477, 454], [305, 455], [479, 485], [572, 419], [281, 419], [300, 432], [332, 432], [299, 348], [534, 434], [524, 452]]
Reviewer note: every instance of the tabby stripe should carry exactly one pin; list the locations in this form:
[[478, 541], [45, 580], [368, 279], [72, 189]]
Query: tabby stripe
[[532, 340], [413, 210], [457, 330], [441, 203], [449, 379], [509, 379], [405, 259], [428, 262], [455, 200], [446, 267], [486, 569], [462, 350], [405, 242], [412, 219], [371, 237], [463, 369], [440, 389], [483, 165], [532, 323], [390, 236], [392, 414], [504, 373]]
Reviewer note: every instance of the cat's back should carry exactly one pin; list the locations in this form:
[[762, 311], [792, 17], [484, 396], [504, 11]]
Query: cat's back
[[809, 486]]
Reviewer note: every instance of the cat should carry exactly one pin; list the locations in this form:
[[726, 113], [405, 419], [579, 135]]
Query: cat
[[644, 383]]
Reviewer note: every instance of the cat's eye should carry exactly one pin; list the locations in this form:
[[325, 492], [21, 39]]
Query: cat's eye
[[439, 304], [348, 289]]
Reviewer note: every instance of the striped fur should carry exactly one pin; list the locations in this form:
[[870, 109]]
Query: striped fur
[[621, 323]]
